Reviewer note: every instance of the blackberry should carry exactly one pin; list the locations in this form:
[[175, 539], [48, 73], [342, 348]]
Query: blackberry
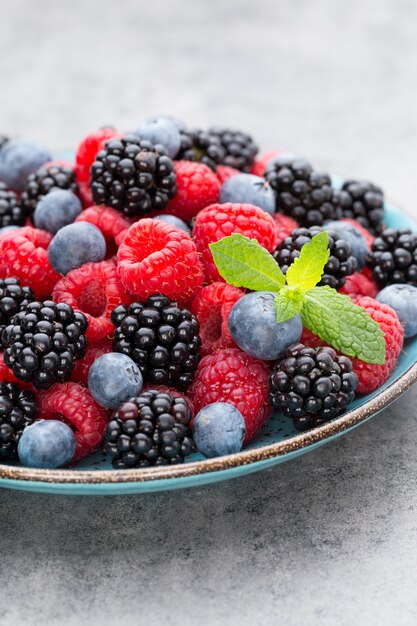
[[301, 192], [43, 342], [45, 179], [312, 385], [11, 211], [364, 202], [133, 176], [240, 149], [161, 338], [393, 257], [341, 263], [3, 140], [18, 409], [13, 298], [151, 429], [199, 145]]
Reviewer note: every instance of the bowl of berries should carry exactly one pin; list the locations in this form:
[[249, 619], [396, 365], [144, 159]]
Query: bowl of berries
[[176, 310]]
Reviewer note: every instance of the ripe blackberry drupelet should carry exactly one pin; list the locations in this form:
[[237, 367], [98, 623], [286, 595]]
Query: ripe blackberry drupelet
[[240, 149], [199, 145], [341, 263], [312, 385], [133, 176], [364, 202], [43, 342], [13, 298], [161, 338], [151, 429], [302, 193], [11, 210], [393, 258], [47, 177], [18, 409]]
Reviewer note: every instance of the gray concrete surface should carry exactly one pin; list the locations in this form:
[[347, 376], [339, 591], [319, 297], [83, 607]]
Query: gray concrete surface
[[330, 538]]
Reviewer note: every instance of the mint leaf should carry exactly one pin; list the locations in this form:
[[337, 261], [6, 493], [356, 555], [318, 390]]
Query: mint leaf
[[344, 325], [243, 262], [307, 270], [288, 303]]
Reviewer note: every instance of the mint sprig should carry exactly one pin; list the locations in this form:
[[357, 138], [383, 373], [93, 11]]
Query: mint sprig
[[332, 316]]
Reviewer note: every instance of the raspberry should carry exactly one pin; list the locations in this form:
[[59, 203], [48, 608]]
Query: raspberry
[[224, 172], [260, 165], [82, 367], [85, 194], [364, 231], [233, 376], [23, 255], [73, 404], [109, 221], [95, 290], [285, 225], [212, 306], [359, 284], [370, 375], [220, 220], [197, 187], [156, 257], [87, 151]]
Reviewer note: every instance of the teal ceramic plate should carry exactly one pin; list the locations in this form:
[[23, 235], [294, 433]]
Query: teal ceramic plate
[[277, 443]]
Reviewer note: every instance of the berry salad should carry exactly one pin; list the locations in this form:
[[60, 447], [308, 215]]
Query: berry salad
[[170, 288]]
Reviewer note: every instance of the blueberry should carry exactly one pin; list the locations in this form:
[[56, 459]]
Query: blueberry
[[46, 444], [172, 118], [219, 429], [74, 245], [7, 228], [114, 378], [19, 158], [250, 189], [403, 299], [253, 326], [175, 221], [359, 247], [161, 131], [57, 209]]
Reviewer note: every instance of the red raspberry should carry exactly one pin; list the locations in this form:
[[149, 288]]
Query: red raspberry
[[85, 194], [224, 172], [73, 404], [87, 151], [23, 255], [212, 306], [111, 223], [197, 187], [156, 257], [233, 376], [371, 376], [220, 220], [285, 225], [82, 367], [364, 231], [95, 290], [359, 284], [260, 165]]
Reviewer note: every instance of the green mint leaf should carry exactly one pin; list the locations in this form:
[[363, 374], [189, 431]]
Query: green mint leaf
[[307, 270], [288, 303], [243, 262], [343, 324]]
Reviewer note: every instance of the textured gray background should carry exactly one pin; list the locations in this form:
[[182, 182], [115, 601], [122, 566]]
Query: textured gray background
[[328, 538]]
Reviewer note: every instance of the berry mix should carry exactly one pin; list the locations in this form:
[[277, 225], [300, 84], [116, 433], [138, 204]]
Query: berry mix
[[170, 288]]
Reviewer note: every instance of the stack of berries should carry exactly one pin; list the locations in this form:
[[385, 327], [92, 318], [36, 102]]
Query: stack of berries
[[168, 290]]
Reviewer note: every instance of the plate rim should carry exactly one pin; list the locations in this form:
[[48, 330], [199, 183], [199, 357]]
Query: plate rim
[[205, 466]]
